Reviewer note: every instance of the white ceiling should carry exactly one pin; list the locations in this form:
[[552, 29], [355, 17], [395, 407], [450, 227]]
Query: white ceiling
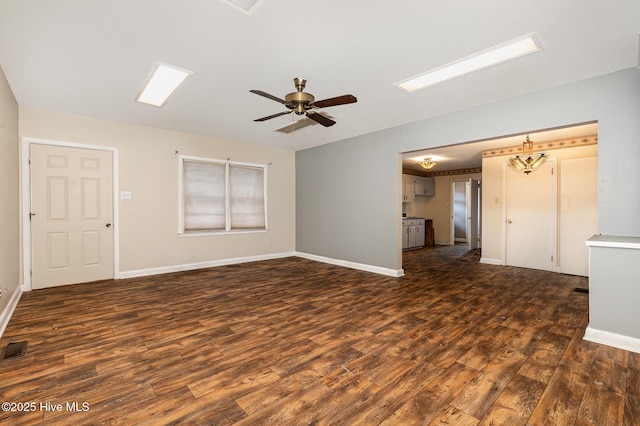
[[92, 57]]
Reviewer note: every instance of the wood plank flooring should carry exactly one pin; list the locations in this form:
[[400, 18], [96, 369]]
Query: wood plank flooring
[[295, 342]]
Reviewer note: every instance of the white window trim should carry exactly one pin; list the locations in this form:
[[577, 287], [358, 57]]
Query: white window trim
[[228, 230]]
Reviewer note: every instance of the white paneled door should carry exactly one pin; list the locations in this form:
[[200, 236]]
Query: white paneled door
[[531, 218], [71, 215], [578, 213]]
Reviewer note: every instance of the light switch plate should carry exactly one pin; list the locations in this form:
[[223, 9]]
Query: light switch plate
[[125, 195]]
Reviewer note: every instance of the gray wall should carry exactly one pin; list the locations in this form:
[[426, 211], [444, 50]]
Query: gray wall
[[348, 193], [348, 197], [614, 294]]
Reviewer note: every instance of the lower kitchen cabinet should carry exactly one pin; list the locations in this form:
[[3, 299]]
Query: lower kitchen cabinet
[[413, 233]]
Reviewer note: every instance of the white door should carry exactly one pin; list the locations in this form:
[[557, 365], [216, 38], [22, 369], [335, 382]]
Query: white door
[[531, 217], [578, 213], [473, 214], [71, 215]]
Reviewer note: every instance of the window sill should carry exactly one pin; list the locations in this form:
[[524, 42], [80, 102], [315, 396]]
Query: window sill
[[210, 233]]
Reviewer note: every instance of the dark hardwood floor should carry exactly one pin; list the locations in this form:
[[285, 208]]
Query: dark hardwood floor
[[295, 342]]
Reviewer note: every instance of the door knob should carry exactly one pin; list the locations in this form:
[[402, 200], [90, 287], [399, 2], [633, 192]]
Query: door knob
[[108, 225], [509, 221]]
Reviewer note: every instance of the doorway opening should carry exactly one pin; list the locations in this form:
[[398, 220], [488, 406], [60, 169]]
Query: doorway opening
[[466, 212], [573, 150]]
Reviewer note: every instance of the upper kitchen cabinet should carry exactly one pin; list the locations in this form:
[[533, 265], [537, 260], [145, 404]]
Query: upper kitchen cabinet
[[408, 185], [429, 187], [417, 185]]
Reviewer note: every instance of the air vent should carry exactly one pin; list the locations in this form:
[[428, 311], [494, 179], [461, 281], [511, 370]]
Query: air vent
[[300, 124], [14, 350]]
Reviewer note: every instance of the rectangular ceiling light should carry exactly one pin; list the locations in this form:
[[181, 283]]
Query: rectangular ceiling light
[[496, 55], [162, 84]]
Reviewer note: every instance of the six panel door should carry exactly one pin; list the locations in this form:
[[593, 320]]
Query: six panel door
[[71, 215]]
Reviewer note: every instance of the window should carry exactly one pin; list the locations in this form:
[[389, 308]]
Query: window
[[222, 196]]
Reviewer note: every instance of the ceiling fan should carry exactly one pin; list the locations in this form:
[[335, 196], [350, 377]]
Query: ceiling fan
[[302, 103]]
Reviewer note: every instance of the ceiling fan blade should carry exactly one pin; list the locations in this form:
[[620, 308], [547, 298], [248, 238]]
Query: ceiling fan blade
[[319, 118], [338, 100], [269, 117], [266, 95]]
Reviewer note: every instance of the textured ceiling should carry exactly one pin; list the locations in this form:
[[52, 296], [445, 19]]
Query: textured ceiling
[[91, 57]]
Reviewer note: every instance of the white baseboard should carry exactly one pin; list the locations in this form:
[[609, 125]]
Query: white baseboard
[[233, 261], [353, 265], [200, 265], [612, 339], [6, 314], [490, 261]]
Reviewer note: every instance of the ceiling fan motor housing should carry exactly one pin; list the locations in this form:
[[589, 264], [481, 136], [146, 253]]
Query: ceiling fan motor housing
[[299, 102]]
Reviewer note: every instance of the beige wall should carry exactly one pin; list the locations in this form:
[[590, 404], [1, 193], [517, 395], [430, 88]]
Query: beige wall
[[9, 204], [492, 202], [148, 168]]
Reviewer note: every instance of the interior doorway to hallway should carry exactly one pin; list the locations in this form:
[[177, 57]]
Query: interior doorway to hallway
[[466, 212]]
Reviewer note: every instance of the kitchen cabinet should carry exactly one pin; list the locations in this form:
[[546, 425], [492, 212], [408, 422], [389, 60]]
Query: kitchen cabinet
[[408, 194], [429, 188], [417, 185], [413, 233]]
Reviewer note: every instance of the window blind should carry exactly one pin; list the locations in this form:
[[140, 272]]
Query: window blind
[[246, 189], [204, 196], [222, 195]]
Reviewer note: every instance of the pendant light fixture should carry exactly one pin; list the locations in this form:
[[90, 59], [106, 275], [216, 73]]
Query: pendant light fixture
[[527, 162], [427, 164]]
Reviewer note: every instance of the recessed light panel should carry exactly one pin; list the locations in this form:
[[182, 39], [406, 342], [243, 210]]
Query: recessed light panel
[[162, 84], [496, 55], [246, 6]]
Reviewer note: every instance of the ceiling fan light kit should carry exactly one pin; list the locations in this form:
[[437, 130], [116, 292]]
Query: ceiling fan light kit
[[301, 102]]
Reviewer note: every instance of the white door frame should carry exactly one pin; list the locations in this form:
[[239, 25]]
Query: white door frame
[[25, 190]]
